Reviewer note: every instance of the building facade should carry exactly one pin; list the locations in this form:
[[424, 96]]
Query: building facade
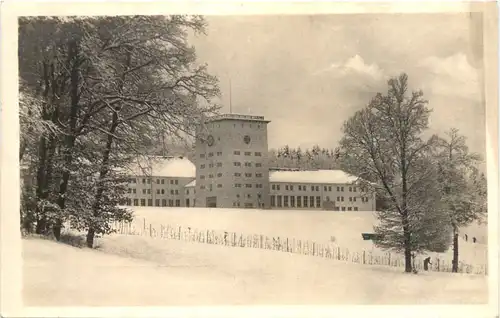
[[232, 170], [232, 162]]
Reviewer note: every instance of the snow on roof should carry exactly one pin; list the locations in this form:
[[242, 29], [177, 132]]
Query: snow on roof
[[312, 176], [180, 167], [191, 184]]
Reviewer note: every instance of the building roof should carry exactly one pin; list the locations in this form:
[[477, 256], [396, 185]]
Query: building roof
[[312, 176], [191, 184], [237, 117], [178, 167]]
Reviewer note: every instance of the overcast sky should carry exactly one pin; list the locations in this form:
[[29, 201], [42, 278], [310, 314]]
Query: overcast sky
[[307, 74]]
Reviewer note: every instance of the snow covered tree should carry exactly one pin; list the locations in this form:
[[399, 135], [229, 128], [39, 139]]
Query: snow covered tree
[[382, 145], [464, 191]]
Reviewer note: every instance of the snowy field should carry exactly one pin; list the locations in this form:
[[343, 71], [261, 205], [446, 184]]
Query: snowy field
[[319, 226], [134, 270]]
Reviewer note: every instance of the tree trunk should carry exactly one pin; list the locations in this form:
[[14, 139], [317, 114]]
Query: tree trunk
[[90, 237], [71, 136], [454, 267]]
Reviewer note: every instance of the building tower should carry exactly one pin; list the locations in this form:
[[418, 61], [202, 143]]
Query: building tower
[[232, 167]]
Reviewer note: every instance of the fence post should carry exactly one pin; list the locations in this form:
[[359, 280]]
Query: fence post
[[179, 233], [287, 245], [438, 267], [364, 257], [389, 258], [338, 253]]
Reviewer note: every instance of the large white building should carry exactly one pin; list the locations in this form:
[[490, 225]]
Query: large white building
[[231, 170]]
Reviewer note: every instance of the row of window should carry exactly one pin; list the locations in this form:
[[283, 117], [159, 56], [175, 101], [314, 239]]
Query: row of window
[[236, 174], [352, 199], [248, 185], [142, 202], [247, 164], [313, 188], [213, 125], [158, 191], [295, 201], [148, 181], [248, 153], [246, 205], [211, 165]]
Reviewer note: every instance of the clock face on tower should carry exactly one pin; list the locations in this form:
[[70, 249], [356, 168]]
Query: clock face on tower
[[210, 140], [246, 139]]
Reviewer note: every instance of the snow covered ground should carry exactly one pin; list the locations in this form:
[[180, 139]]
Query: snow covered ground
[[318, 226], [134, 270]]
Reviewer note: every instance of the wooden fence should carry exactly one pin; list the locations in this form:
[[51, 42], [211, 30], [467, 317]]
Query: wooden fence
[[288, 245]]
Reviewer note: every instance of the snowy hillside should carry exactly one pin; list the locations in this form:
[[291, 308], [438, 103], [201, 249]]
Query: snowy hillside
[[150, 272], [342, 229]]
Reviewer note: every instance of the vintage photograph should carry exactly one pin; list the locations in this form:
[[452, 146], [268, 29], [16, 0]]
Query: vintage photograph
[[307, 159]]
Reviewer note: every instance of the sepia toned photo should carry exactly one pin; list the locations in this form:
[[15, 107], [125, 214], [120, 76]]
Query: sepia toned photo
[[254, 160]]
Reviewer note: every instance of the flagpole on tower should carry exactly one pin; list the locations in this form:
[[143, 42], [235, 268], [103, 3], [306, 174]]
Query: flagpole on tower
[[230, 98]]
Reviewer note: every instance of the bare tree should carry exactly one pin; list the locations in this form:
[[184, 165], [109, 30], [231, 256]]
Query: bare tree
[[382, 144]]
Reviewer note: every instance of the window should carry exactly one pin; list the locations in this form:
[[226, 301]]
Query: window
[[285, 201], [202, 187], [187, 202], [349, 209], [311, 201], [210, 176], [162, 181], [350, 189], [136, 202], [258, 164], [248, 185], [157, 191], [330, 188], [210, 154], [132, 181], [172, 192], [219, 153], [177, 191], [342, 189], [258, 175], [300, 188], [324, 188], [157, 202], [312, 188], [202, 177], [286, 187], [343, 208], [129, 201], [187, 191], [248, 153], [249, 196], [171, 181], [129, 190], [202, 155], [354, 189], [170, 202], [237, 164], [133, 190], [148, 181], [150, 202], [278, 187], [317, 188], [273, 201], [162, 191], [318, 202], [337, 208], [258, 185], [157, 181], [355, 208], [292, 201], [248, 164], [236, 152], [258, 154], [143, 202], [219, 186], [143, 191], [305, 201], [237, 174], [328, 198], [354, 199], [219, 164], [149, 191], [248, 175], [211, 165], [237, 185], [279, 201], [350, 199], [219, 175], [143, 181], [291, 188], [299, 201], [177, 202], [237, 195], [163, 202], [202, 166], [273, 187]]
